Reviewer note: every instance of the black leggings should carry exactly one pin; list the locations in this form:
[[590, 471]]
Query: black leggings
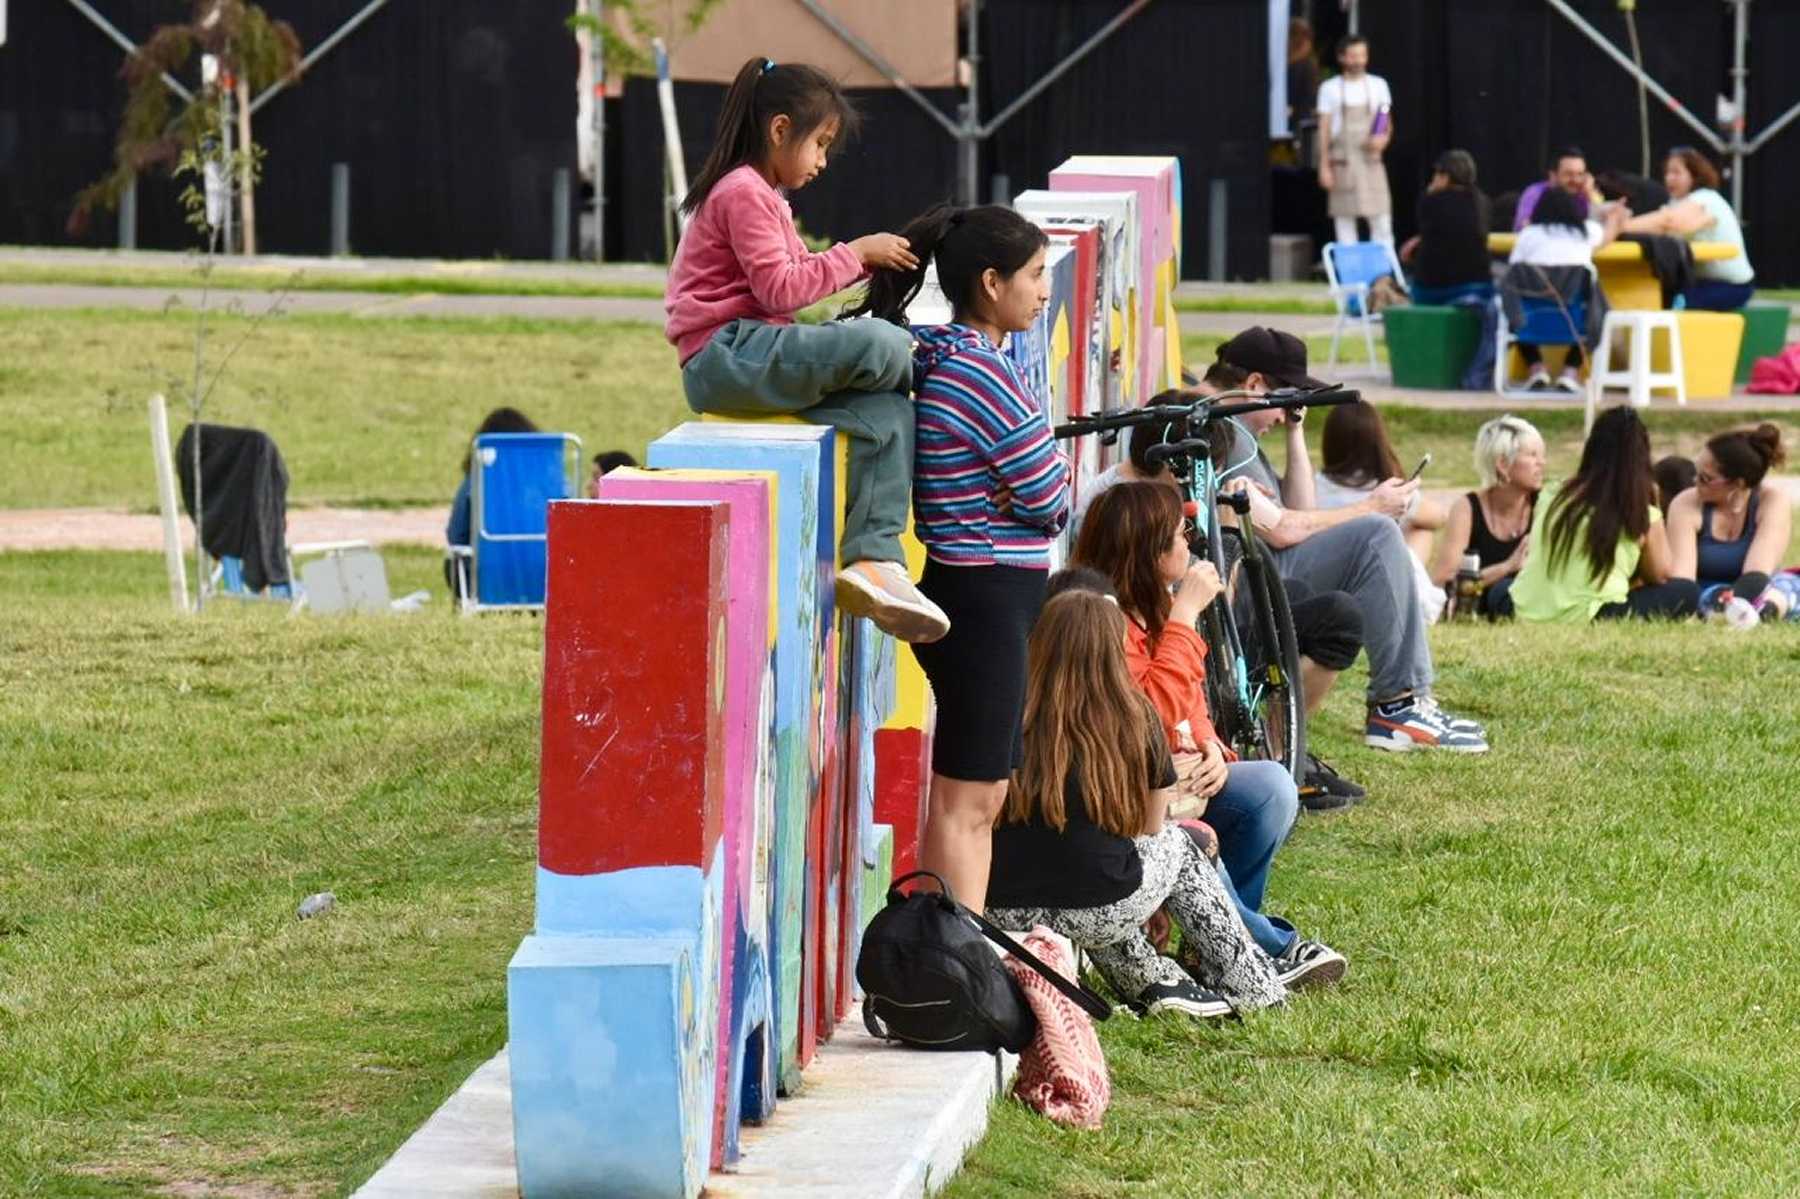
[[1674, 600]]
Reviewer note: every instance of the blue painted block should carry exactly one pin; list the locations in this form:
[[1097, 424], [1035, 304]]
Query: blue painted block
[[602, 1084], [800, 458]]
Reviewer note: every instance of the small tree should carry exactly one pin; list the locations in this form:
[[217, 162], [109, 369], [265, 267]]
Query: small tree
[[249, 51], [252, 50], [627, 30]]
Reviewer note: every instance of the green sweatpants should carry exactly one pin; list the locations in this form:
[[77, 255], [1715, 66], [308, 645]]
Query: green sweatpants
[[854, 376]]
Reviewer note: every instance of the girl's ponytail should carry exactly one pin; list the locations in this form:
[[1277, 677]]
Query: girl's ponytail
[[762, 91], [965, 243], [891, 291]]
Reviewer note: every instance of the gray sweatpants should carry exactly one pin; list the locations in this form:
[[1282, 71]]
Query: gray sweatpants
[[1368, 558], [855, 376]]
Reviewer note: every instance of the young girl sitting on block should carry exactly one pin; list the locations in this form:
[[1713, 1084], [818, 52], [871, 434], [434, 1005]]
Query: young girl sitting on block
[[740, 275]]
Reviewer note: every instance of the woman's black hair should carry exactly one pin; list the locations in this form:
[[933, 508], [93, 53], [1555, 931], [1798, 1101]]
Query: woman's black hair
[[1557, 207], [1610, 493], [1458, 165], [500, 420], [1674, 475], [1078, 578], [965, 243], [1747, 455], [762, 91]]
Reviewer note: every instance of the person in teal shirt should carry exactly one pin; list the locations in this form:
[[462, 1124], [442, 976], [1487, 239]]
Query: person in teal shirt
[[1697, 212], [1596, 533]]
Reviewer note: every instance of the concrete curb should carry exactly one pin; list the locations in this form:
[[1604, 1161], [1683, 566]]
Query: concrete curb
[[873, 1122]]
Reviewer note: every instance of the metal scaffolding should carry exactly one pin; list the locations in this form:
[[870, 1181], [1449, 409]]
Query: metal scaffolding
[[1736, 147]]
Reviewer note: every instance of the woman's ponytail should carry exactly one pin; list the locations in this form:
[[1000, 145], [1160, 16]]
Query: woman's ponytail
[[890, 292], [965, 243], [1747, 455]]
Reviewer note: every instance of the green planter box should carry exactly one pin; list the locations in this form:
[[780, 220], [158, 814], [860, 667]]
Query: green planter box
[[1765, 333], [1430, 347]]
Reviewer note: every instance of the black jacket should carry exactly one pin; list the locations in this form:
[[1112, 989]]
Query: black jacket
[[244, 488]]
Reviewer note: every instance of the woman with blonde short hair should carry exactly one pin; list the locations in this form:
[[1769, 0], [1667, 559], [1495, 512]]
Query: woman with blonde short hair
[[1493, 523]]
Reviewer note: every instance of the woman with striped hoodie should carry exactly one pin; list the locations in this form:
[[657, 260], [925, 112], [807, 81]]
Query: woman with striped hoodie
[[990, 492]]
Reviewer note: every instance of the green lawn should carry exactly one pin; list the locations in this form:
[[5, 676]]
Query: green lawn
[[1568, 957], [174, 788], [455, 279], [366, 411]]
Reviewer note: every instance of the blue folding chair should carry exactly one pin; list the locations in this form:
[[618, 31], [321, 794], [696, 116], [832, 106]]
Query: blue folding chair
[[1351, 268], [514, 478], [1548, 322]]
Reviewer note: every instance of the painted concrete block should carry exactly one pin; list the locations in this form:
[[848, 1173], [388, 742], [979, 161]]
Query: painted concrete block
[[797, 455], [1156, 181], [631, 854], [1114, 212], [745, 1029]]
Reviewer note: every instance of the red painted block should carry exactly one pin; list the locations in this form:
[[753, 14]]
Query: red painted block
[[902, 777], [632, 770]]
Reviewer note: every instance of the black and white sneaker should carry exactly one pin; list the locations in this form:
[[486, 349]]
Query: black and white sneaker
[[1184, 999], [1309, 964], [1325, 789]]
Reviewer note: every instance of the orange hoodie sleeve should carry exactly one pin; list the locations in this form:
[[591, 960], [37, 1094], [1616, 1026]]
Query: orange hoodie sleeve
[[1173, 675]]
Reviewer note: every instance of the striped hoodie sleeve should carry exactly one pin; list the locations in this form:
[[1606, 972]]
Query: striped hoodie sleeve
[[1021, 450]]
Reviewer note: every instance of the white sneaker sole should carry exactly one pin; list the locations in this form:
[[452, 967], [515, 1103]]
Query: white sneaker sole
[[1318, 973], [1188, 1007], [906, 621], [1399, 743]]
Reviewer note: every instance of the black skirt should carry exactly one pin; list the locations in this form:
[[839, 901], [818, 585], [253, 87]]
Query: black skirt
[[977, 671]]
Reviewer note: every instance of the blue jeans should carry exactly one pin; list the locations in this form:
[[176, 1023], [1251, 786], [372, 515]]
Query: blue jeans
[[1715, 295], [1252, 815], [1272, 934]]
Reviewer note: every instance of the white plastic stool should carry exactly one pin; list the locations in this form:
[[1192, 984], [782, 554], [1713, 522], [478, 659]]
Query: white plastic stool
[[1638, 377]]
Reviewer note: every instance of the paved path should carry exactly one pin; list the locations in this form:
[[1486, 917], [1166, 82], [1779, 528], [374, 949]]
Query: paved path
[[116, 529]]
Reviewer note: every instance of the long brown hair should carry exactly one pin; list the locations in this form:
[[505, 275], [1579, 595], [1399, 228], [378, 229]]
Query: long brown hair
[[1083, 715], [1699, 167], [1126, 530], [1355, 449], [1611, 492]]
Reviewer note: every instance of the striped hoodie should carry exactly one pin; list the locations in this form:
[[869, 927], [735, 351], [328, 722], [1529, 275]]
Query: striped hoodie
[[979, 429]]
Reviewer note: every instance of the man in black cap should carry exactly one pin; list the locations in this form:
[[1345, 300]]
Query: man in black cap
[[1356, 549]]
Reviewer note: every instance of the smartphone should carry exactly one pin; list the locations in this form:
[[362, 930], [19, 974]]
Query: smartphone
[[1419, 469]]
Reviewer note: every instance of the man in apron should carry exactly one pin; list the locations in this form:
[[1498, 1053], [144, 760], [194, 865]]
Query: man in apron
[[1355, 125]]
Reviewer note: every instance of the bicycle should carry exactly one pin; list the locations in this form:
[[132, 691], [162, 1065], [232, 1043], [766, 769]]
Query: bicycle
[[1253, 682]]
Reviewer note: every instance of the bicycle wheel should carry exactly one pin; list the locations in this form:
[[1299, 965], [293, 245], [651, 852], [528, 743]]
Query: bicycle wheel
[[1272, 659], [1222, 703]]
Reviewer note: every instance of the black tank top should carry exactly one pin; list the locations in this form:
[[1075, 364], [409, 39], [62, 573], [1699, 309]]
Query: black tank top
[[1482, 541]]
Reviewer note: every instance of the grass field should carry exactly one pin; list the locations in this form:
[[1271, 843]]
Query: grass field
[[379, 411], [1568, 957], [463, 279]]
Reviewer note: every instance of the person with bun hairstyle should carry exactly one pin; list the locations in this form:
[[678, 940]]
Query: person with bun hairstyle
[[1728, 531], [739, 276], [990, 491]]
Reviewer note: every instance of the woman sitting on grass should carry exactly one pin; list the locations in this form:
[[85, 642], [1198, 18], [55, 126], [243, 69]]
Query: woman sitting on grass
[[1355, 456], [1728, 531], [1084, 845], [1136, 537], [1493, 523], [1593, 535]]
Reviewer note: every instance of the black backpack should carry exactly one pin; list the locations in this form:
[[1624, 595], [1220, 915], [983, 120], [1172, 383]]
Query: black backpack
[[930, 981]]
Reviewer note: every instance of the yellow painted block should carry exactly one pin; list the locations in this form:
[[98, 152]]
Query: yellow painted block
[[1710, 342]]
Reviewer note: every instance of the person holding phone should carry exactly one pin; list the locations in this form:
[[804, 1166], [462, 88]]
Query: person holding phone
[[1356, 549]]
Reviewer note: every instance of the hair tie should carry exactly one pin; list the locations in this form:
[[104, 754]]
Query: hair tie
[[768, 65]]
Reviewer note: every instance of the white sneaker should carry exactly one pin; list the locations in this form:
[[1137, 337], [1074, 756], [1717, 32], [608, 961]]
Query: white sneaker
[[1570, 382], [882, 592], [1539, 380]]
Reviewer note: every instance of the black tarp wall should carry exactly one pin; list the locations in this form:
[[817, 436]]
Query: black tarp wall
[[453, 116]]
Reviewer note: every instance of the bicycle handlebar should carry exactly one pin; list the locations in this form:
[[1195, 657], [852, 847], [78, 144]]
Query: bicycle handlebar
[[1206, 408]]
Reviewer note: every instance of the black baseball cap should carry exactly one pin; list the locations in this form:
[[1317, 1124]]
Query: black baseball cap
[[1271, 353]]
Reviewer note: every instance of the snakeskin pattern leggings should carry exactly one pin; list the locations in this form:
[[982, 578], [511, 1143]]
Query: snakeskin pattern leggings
[[1176, 873]]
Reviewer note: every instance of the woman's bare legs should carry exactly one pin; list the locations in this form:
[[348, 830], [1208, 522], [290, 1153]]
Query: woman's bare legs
[[958, 843]]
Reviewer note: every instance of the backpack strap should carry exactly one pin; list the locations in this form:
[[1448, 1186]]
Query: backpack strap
[[1083, 998]]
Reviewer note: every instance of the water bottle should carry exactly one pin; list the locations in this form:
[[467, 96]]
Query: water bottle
[[1468, 586], [1741, 614]]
